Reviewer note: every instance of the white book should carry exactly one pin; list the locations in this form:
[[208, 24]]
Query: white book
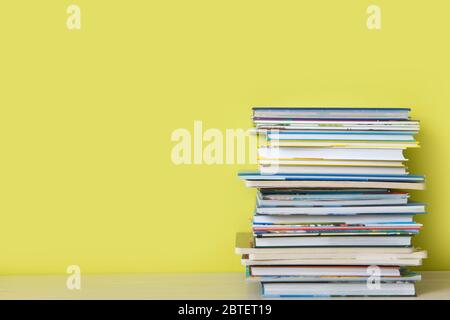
[[320, 162], [289, 125], [331, 153], [340, 136], [324, 227], [323, 124], [344, 144], [331, 177], [356, 219], [330, 125], [245, 245], [416, 254], [410, 208], [333, 184], [330, 203], [336, 261], [264, 169], [320, 271], [272, 289], [407, 277], [331, 241]]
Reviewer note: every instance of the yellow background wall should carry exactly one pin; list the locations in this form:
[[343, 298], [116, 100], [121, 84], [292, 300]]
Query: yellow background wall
[[86, 116]]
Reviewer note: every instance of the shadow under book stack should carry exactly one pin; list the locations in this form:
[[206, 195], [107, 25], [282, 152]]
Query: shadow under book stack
[[333, 216]]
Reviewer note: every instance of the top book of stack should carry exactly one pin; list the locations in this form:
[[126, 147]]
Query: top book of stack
[[332, 113], [386, 119]]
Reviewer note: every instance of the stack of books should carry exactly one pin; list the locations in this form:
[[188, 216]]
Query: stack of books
[[333, 216]]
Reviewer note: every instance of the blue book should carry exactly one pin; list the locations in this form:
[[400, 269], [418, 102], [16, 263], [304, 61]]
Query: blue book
[[330, 177], [331, 113]]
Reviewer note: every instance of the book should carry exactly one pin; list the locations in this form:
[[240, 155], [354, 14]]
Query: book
[[333, 184], [245, 244], [341, 219], [274, 125], [367, 261], [331, 199], [319, 270], [270, 169], [339, 135], [334, 228], [332, 153], [263, 257], [342, 144], [331, 112], [322, 162], [405, 276], [255, 175], [410, 207], [332, 241], [303, 289]]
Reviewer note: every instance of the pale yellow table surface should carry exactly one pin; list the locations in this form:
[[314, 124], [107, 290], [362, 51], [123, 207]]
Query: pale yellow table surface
[[435, 285]]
